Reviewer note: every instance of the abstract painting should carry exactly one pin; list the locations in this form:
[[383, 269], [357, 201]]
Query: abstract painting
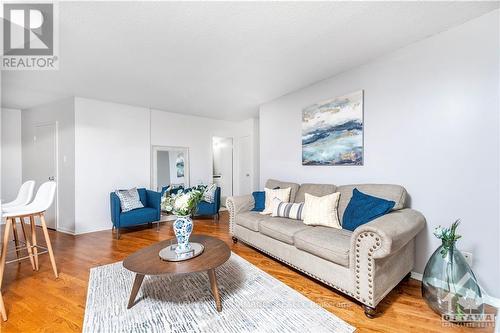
[[332, 131], [179, 165]]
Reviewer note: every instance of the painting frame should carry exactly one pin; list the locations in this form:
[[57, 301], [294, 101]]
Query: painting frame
[[333, 131]]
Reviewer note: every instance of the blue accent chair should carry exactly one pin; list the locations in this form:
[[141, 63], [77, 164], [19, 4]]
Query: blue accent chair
[[147, 215], [204, 208]]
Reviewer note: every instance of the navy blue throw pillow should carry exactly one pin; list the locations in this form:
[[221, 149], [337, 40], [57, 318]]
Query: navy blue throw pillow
[[363, 208], [260, 201]]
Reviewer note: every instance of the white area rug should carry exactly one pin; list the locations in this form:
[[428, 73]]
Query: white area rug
[[252, 301]]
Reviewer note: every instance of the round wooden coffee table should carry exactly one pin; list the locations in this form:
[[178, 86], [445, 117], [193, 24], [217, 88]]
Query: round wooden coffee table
[[146, 261]]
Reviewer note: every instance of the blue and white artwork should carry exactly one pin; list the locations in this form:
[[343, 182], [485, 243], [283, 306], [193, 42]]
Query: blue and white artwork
[[332, 131]]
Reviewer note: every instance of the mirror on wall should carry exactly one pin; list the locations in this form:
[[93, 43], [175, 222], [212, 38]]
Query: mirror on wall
[[169, 167]]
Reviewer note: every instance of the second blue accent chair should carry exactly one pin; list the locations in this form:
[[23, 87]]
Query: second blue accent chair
[[150, 213]]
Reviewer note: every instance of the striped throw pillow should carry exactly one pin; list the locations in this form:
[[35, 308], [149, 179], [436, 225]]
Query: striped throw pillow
[[287, 209]]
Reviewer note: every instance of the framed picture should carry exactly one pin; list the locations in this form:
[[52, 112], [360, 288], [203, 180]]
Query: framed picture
[[332, 131], [179, 165]]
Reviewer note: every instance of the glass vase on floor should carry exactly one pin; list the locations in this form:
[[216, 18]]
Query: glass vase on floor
[[449, 286], [183, 226]]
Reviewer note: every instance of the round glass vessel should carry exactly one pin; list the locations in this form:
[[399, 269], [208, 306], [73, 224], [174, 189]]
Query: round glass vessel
[[449, 286]]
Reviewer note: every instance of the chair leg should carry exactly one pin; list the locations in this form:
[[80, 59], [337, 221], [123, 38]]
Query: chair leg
[[2, 308], [3, 257], [33, 239], [117, 233], [16, 237], [28, 243], [49, 245]]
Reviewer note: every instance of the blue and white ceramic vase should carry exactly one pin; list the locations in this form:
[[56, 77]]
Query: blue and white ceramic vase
[[183, 226]]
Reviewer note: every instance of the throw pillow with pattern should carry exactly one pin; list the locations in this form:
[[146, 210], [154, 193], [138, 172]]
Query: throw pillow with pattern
[[209, 193], [129, 199], [291, 210]]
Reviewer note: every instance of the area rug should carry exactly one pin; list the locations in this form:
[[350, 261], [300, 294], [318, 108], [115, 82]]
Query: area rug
[[252, 301]]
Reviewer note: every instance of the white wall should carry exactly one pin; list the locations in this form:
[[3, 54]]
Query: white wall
[[431, 117], [196, 133], [62, 113], [11, 150], [112, 151]]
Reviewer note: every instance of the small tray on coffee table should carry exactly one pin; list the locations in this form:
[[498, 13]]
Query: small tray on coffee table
[[168, 253]]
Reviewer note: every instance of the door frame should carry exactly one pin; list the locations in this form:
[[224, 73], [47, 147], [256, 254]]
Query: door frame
[[56, 148], [154, 161]]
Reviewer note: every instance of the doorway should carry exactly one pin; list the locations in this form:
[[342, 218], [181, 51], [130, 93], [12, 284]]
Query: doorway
[[222, 150], [245, 165], [45, 144]]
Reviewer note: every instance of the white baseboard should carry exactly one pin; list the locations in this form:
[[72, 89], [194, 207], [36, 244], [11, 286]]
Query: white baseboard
[[416, 276], [66, 231], [90, 231]]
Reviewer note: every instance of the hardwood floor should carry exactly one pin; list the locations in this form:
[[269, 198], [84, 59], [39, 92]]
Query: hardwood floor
[[37, 302]]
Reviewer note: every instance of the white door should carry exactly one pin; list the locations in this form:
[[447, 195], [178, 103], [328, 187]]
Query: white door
[[223, 165], [245, 165], [46, 164]]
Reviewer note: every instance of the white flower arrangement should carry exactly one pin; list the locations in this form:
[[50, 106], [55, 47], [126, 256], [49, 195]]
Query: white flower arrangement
[[183, 203]]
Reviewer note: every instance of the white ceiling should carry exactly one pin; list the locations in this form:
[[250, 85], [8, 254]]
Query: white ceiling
[[221, 59]]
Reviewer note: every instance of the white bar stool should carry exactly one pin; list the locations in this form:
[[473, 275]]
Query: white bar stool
[[43, 200], [23, 198]]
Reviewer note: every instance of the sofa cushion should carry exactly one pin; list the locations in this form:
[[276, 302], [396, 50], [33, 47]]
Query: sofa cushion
[[294, 187], [394, 193], [138, 216], [318, 190], [327, 243], [259, 198], [270, 194], [363, 208], [281, 228], [322, 211], [249, 220]]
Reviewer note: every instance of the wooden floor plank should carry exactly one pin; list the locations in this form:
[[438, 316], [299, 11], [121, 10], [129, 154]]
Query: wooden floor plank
[[37, 302]]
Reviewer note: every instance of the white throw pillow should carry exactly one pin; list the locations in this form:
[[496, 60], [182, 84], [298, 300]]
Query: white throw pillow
[[322, 210], [281, 193]]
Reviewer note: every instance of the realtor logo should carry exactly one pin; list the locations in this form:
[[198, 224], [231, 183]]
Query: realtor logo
[[29, 31]]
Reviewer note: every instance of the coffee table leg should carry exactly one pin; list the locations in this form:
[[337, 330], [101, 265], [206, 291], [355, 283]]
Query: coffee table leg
[[214, 288], [135, 289]]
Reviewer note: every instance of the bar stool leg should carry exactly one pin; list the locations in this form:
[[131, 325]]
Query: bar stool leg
[[8, 223], [33, 238], [28, 243], [2, 308], [16, 236], [49, 245]]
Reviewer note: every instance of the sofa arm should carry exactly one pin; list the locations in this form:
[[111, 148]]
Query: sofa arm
[[153, 200], [236, 205], [391, 232], [114, 203]]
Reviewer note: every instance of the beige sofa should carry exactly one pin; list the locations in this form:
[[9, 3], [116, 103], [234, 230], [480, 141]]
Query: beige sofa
[[365, 264]]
